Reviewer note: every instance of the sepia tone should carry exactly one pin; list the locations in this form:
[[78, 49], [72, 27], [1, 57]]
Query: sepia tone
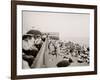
[[53, 39]]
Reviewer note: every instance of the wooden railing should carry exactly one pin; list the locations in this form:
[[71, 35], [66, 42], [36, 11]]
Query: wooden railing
[[40, 59]]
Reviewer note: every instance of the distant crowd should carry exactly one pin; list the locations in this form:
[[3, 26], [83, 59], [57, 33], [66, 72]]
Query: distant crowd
[[69, 49]]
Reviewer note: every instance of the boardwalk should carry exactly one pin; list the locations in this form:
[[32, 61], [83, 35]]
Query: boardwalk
[[46, 60]]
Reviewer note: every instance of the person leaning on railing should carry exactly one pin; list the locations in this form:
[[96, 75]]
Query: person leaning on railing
[[29, 50]]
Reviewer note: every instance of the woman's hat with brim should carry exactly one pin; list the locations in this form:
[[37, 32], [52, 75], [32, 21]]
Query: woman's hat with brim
[[25, 36]]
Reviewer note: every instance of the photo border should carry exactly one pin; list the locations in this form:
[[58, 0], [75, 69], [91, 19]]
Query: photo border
[[14, 38]]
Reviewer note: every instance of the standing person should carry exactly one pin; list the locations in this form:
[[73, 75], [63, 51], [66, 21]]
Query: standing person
[[44, 36], [38, 42], [52, 48]]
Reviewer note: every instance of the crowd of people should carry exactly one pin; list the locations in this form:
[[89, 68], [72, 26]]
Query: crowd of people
[[68, 50], [32, 44]]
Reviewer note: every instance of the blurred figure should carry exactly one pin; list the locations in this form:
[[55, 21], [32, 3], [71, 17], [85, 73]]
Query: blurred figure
[[38, 42], [52, 49], [29, 49]]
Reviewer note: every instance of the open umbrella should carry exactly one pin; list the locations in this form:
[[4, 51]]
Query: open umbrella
[[63, 63], [35, 32]]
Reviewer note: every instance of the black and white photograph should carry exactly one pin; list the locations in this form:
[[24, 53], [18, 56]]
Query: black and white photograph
[[54, 39]]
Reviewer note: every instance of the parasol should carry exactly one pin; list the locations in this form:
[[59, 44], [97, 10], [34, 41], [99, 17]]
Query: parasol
[[63, 63], [35, 32]]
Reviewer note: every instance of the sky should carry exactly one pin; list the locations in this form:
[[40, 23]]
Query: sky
[[69, 25]]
